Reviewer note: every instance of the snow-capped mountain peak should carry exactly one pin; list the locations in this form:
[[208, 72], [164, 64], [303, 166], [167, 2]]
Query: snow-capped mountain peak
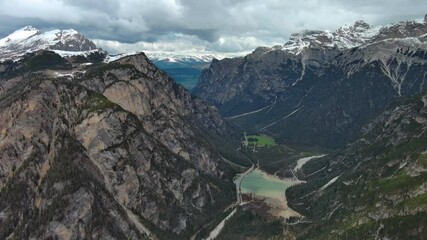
[[19, 35], [347, 36], [30, 39], [350, 36]]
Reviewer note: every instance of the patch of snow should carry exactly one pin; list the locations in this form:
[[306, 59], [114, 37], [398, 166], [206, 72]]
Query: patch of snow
[[66, 74], [329, 183], [302, 74], [112, 58], [59, 74], [303, 161], [71, 53]]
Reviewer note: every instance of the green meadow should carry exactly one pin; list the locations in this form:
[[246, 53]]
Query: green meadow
[[261, 141]]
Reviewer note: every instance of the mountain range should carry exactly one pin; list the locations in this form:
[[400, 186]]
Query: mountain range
[[99, 146]]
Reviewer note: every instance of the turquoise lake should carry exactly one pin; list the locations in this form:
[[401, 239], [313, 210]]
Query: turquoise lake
[[262, 184]]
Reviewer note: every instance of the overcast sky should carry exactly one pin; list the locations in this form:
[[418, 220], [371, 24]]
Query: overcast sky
[[188, 26]]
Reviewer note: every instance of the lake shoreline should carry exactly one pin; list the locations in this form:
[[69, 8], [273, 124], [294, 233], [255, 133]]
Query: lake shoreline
[[270, 189]]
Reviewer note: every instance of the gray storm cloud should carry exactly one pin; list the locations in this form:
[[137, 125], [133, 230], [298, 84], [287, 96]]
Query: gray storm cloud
[[197, 25]]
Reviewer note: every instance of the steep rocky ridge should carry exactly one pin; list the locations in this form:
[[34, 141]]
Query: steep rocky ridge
[[107, 151], [320, 87], [376, 187]]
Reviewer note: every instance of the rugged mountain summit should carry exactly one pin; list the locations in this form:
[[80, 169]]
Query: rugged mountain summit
[[30, 39], [347, 37], [320, 87], [106, 151]]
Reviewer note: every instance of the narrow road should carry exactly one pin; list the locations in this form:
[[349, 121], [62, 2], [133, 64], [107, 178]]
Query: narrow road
[[271, 124], [239, 181], [248, 113], [217, 230], [252, 112]]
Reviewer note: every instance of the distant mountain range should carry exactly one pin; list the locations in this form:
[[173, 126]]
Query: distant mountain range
[[185, 69], [183, 60]]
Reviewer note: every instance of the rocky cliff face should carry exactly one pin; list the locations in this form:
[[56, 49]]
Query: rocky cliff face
[[320, 87], [376, 187], [106, 151]]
